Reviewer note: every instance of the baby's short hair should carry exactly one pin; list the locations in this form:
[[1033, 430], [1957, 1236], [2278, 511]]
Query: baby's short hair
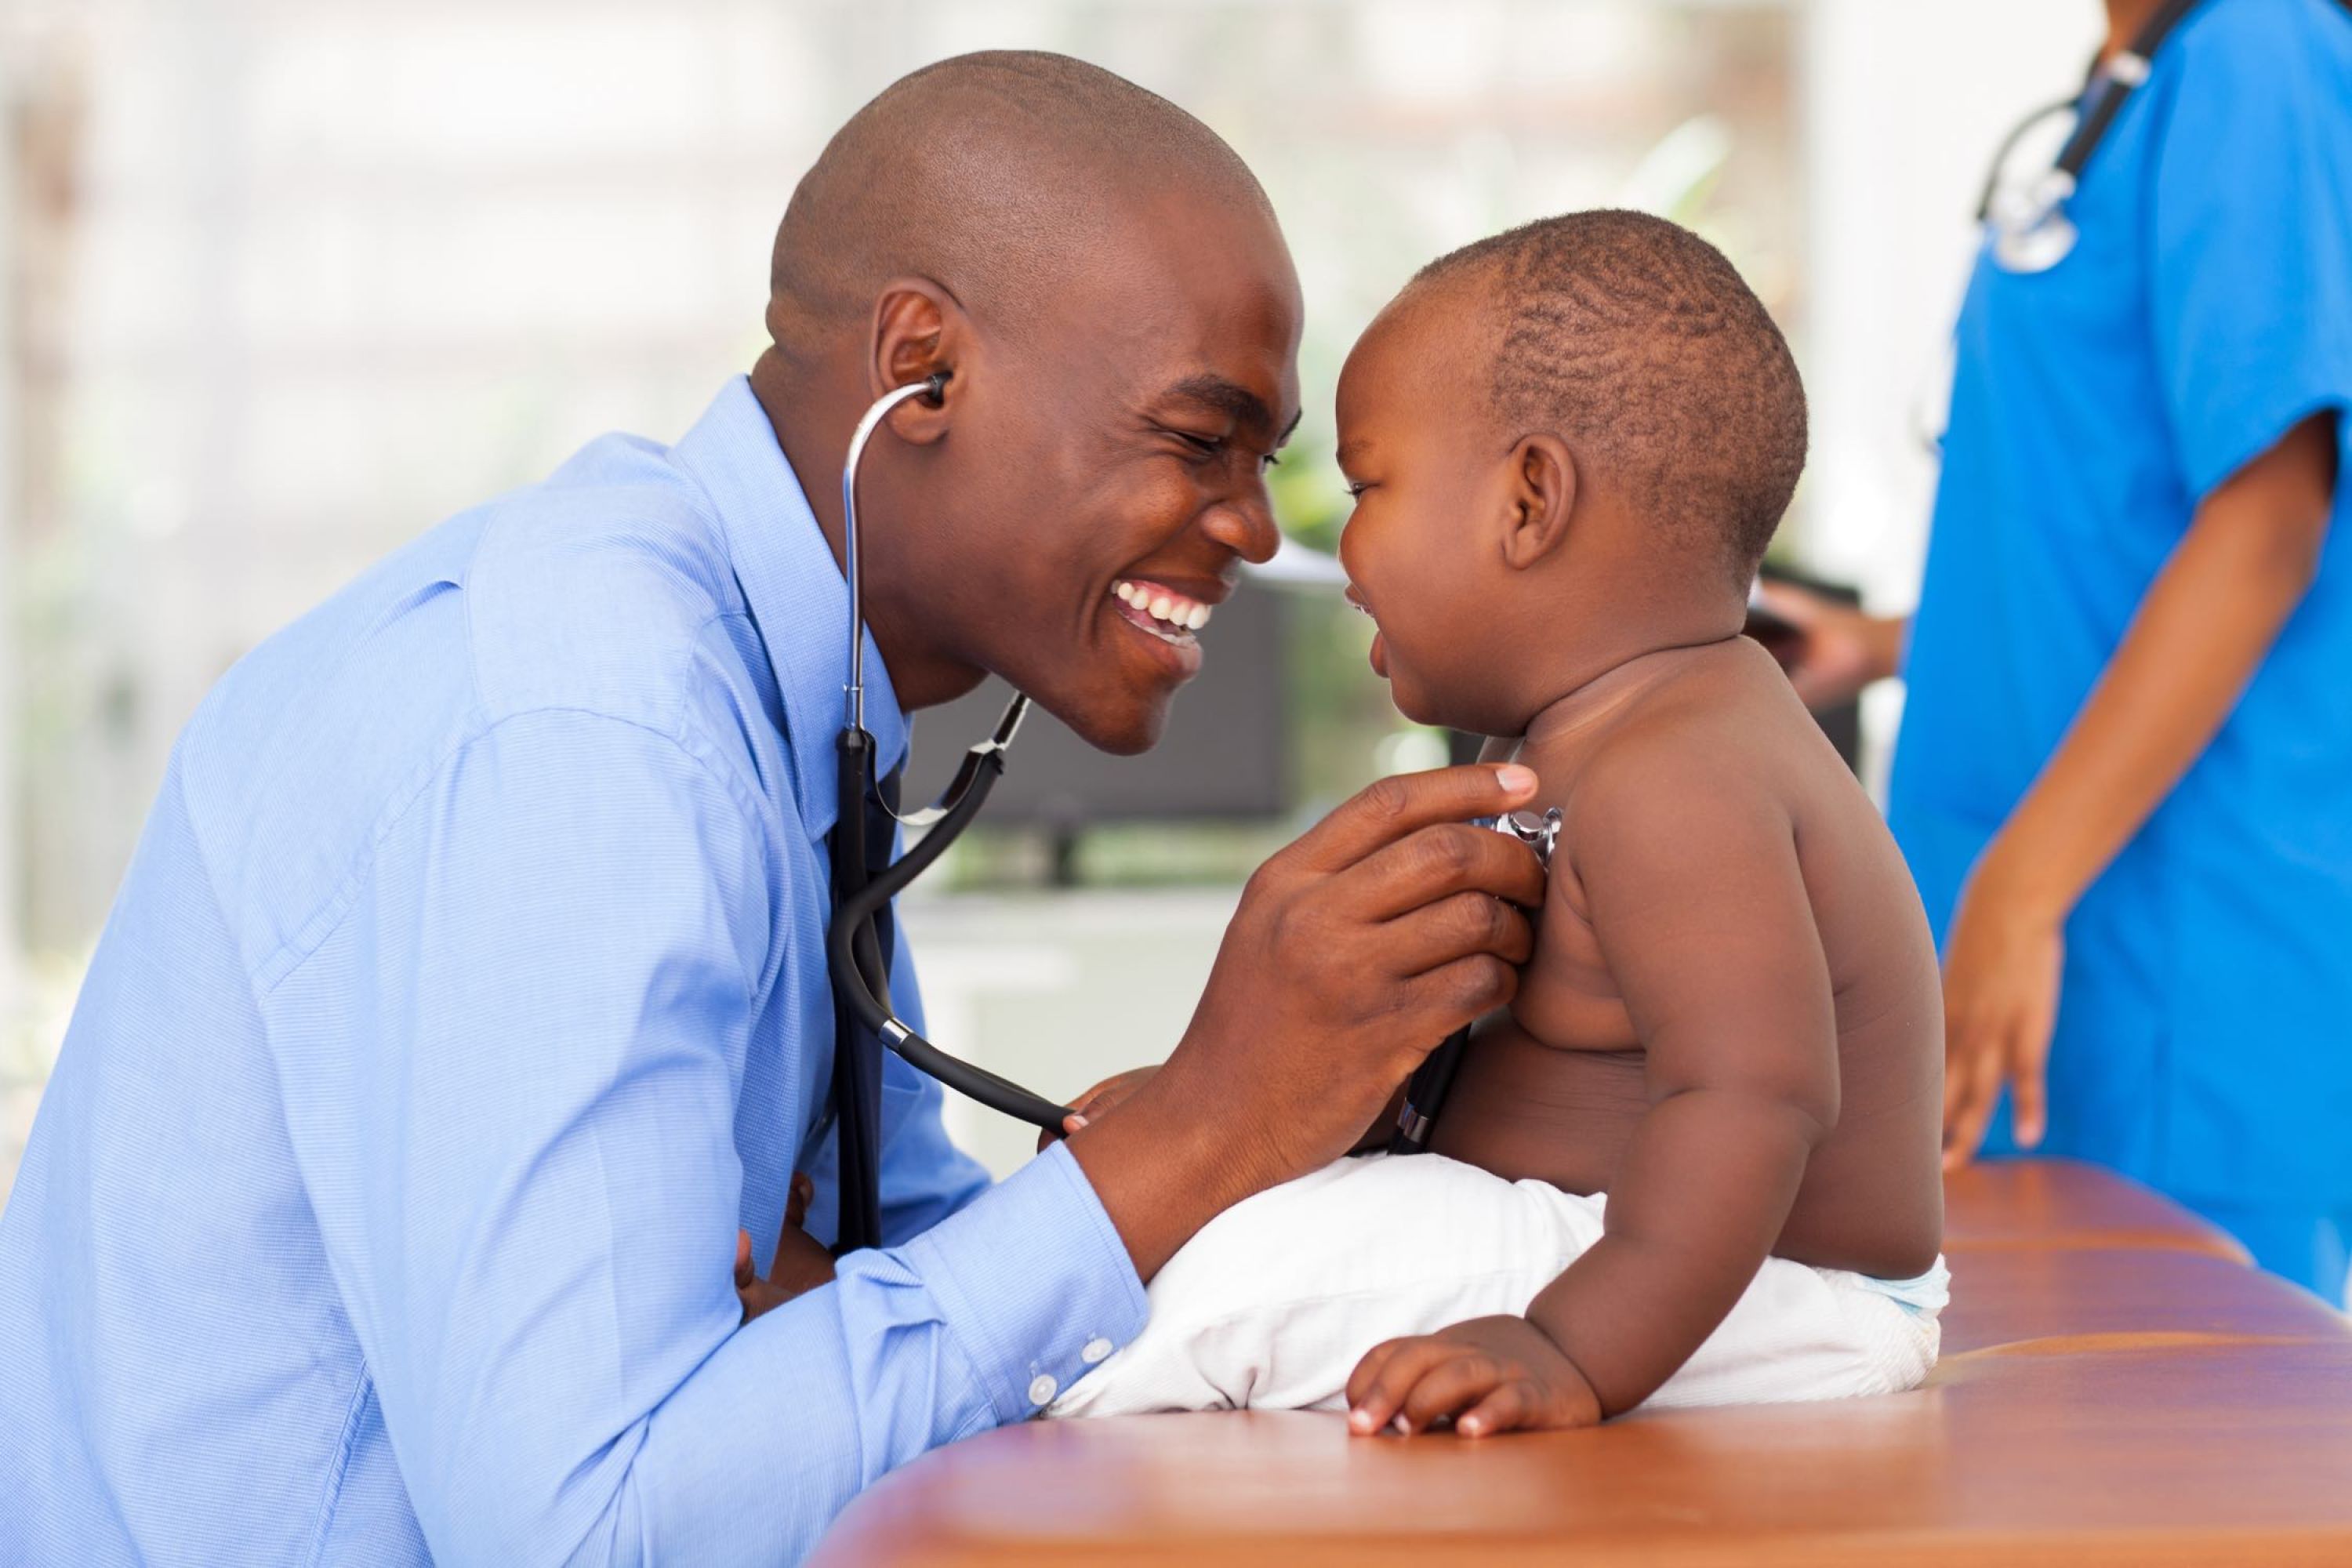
[[1637, 342]]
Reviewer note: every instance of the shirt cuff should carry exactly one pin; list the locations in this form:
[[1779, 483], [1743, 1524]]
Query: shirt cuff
[[1032, 1279]]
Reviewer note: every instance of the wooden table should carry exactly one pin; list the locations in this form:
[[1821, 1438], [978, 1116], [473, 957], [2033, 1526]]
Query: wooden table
[[2066, 1205], [2104, 1400]]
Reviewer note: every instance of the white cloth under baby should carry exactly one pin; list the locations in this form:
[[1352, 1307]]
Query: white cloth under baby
[[1274, 1302]]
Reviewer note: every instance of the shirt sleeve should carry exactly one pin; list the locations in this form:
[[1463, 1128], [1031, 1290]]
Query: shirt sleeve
[[531, 1190], [2253, 233]]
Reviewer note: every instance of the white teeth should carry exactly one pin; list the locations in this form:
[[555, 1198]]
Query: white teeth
[[1179, 616]]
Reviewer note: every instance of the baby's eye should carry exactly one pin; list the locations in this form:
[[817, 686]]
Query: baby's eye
[[1356, 487]]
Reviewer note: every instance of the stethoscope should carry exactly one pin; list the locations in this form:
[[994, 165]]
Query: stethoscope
[[2030, 229], [853, 949]]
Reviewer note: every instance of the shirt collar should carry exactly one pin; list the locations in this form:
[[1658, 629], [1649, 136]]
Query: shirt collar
[[798, 599]]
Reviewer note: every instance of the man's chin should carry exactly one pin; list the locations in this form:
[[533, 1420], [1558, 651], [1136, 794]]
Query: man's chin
[[1124, 725]]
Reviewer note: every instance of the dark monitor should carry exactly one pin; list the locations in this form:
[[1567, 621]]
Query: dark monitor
[[1226, 753]]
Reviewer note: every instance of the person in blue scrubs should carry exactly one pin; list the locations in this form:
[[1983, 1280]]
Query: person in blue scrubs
[[2124, 776], [467, 995]]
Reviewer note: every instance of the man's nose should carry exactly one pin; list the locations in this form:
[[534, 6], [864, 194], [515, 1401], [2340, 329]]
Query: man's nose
[[1244, 525]]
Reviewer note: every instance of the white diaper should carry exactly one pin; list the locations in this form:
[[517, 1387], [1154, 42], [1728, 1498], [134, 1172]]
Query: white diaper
[[1274, 1302]]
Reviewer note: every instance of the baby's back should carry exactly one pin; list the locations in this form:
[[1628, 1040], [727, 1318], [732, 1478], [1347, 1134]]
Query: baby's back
[[1555, 1088]]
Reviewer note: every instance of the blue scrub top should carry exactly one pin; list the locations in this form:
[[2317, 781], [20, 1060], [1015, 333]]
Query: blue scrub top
[[2204, 1040]]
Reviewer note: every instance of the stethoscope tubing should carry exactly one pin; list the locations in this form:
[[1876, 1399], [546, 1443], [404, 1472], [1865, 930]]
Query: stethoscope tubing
[[853, 958]]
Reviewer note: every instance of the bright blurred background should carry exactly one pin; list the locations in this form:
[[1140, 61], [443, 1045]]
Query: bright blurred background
[[282, 284]]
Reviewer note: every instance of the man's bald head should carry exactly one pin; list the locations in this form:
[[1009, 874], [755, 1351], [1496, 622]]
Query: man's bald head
[[991, 174]]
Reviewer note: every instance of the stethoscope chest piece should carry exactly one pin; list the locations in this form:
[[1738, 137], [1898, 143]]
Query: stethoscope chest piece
[[2031, 230]]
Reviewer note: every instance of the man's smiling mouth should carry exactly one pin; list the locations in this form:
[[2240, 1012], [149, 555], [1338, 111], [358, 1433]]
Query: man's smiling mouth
[[1164, 612]]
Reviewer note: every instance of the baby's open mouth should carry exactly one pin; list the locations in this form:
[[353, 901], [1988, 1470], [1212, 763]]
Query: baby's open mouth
[[1160, 610]]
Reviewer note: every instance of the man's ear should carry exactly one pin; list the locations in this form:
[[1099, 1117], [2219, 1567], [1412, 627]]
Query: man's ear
[[920, 330], [1540, 498]]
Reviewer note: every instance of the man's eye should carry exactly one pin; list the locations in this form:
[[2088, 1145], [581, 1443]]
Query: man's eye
[[1207, 446], [1271, 461]]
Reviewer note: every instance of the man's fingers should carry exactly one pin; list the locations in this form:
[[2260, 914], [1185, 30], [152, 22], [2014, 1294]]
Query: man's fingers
[[1436, 934], [1440, 861], [1390, 809], [1461, 991]]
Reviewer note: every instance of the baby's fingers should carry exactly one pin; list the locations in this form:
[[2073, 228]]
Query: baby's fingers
[[1505, 1409], [1377, 1388], [1449, 1388]]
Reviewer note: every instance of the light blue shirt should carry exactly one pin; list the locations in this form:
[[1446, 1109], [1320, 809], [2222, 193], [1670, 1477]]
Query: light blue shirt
[[466, 994], [2202, 1039]]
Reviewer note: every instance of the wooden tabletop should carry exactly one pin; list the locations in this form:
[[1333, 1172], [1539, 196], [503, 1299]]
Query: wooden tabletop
[[2064, 1204], [2110, 1405]]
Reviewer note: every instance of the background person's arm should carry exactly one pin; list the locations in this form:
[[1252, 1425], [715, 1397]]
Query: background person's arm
[[2250, 311], [2209, 619], [1838, 650]]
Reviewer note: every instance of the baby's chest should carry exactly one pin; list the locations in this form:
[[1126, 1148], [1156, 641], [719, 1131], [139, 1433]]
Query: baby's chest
[[1568, 997]]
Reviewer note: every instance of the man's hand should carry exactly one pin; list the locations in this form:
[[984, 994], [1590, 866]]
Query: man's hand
[[2002, 963], [1355, 951], [801, 1265], [1837, 650], [1490, 1375], [1098, 1099]]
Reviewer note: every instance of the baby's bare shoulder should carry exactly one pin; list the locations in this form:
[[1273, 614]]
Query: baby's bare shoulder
[[1722, 735]]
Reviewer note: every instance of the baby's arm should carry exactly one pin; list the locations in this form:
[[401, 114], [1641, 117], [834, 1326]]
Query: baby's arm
[[1689, 869], [1690, 875]]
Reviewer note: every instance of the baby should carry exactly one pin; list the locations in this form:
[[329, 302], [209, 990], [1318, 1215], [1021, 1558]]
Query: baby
[[1696, 1161]]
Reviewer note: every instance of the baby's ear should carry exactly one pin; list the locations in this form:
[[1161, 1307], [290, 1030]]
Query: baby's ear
[[1541, 497]]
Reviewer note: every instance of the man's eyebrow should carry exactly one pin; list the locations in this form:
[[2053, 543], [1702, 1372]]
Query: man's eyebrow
[[1231, 399]]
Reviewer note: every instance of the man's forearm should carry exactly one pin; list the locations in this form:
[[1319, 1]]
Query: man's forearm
[[2204, 628], [1161, 1172]]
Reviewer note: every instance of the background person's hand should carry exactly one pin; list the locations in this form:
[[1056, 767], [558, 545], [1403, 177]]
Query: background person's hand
[[802, 1262], [1489, 1374], [2002, 961], [1355, 951], [1836, 650]]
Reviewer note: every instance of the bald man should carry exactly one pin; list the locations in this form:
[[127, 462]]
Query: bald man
[[467, 994]]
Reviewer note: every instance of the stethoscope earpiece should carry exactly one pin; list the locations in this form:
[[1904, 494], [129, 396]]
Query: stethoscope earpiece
[[935, 387]]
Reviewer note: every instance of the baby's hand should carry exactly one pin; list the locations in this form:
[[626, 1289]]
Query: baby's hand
[[1491, 1374]]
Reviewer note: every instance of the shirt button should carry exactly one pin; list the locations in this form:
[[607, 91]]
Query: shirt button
[[1042, 1389], [1097, 1351]]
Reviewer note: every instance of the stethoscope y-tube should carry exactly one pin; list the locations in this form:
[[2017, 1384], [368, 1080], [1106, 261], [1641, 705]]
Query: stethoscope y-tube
[[853, 957]]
